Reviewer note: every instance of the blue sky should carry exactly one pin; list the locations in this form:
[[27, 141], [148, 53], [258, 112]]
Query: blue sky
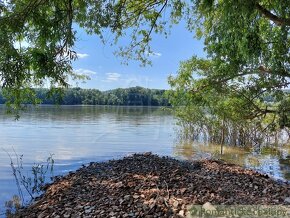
[[106, 71]]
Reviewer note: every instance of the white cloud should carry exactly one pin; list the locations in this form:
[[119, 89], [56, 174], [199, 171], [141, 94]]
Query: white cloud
[[85, 72], [153, 54], [156, 54], [81, 56], [112, 77]]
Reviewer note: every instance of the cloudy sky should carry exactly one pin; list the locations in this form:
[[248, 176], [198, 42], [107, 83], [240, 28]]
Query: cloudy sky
[[98, 61]]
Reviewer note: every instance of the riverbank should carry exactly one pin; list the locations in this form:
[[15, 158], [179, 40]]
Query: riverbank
[[146, 185]]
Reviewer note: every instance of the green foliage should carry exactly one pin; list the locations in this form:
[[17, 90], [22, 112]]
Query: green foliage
[[37, 38], [247, 43], [237, 94], [226, 112]]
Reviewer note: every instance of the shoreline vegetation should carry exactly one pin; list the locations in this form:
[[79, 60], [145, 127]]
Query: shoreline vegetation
[[237, 94], [147, 185], [133, 96]]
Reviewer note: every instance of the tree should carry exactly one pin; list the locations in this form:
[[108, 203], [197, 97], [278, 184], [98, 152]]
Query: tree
[[247, 42], [37, 38], [219, 113]]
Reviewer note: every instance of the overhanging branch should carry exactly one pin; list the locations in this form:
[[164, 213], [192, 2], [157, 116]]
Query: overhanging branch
[[268, 14]]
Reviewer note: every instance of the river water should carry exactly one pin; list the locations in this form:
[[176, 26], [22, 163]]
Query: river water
[[77, 135]]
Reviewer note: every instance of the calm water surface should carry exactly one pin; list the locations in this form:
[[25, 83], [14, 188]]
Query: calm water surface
[[77, 135]]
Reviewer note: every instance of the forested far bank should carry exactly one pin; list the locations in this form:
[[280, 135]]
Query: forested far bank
[[135, 96]]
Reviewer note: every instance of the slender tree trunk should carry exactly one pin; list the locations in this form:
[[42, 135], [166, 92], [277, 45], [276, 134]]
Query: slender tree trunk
[[223, 134]]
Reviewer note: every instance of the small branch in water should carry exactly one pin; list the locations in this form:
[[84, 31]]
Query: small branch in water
[[33, 185], [14, 171]]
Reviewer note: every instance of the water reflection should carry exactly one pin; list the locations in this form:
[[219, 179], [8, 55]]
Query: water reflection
[[85, 113], [274, 161], [80, 134]]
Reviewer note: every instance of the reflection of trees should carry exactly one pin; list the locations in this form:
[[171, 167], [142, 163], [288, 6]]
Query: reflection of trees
[[252, 161], [243, 156], [91, 113], [190, 148], [185, 150], [271, 150], [285, 167]]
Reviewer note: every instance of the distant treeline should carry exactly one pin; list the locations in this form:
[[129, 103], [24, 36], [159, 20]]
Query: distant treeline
[[137, 96]]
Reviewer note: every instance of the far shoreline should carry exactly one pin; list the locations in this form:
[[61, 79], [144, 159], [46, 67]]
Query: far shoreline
[[88, 105]]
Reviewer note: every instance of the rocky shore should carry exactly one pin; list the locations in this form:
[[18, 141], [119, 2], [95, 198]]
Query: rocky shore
[[146, 185]]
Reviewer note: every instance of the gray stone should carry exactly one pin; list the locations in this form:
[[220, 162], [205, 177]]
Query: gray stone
[[287, 200]]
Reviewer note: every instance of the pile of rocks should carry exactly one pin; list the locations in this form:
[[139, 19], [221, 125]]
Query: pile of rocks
[[146, 185]]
